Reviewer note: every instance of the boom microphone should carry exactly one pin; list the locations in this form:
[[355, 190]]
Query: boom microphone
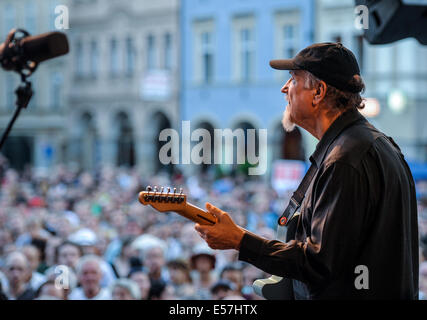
[[22, 53]]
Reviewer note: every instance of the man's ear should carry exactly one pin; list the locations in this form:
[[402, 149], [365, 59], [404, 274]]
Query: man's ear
[[320, 92]]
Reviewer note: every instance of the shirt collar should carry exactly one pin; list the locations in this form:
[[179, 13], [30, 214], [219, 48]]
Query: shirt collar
[[340, 123]]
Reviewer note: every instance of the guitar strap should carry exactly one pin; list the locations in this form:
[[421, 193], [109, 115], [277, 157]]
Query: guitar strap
[[278, 287], [294, 203]]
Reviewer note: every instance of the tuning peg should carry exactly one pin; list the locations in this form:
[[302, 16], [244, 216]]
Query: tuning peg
[[169, 189], [174, 190], [161, 190], [155, 189], [148, 188], [180, 190]]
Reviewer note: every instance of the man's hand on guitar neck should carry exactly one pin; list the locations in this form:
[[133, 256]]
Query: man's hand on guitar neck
[[224, 234]]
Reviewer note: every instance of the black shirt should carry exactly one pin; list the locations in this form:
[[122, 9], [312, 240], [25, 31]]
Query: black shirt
[[358, 219]]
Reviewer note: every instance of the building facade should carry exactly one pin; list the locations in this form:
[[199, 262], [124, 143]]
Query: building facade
[[226, 81], [124, 81]]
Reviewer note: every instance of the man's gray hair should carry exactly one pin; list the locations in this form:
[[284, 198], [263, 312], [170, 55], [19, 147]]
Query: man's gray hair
[[17, 255], [129, 285], [88, 258], [338, 99]]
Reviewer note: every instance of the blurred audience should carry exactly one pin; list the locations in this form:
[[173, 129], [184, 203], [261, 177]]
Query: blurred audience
[[84, 236]]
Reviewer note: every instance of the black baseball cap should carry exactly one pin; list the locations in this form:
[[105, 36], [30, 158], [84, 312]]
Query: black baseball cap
[[328, 61]]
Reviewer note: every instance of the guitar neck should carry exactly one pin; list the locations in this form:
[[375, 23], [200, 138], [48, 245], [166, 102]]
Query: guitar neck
[[197, 215]]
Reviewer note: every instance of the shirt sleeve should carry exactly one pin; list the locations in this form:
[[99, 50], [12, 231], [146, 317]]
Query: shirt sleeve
[[339, 204]]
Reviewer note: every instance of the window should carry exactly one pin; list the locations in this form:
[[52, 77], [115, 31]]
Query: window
[[168, 51], [207, 57], [130, 56], [151, 52], [247, 53], [290, 40], [204, 51], [243, 48], [79, 59], [287, 36], [56, 82], [94, 57], [114, 57]]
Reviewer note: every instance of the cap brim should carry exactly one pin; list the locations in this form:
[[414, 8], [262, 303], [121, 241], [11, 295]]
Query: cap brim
[[284, 64]]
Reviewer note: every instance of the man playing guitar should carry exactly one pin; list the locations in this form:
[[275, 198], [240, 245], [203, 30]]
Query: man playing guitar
[[359, 213]]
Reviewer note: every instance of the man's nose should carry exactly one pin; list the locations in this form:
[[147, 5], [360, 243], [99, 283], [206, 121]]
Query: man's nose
[[285, 87]]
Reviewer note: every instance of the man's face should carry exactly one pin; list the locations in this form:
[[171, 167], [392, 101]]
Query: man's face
[[17, 271], [33, 256], [203, 263], [91, 275], [143, 282], [299, 99], [154, 259], [68, 255], [235, 276]]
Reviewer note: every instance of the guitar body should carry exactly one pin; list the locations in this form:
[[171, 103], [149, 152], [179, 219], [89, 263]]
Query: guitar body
[[274, 288]]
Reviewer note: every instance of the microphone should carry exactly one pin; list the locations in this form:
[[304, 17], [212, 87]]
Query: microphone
[[28, 51]]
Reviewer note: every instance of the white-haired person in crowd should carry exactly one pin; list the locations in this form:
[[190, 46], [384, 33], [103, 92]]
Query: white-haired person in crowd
[[18, 273], [89, 275], [153, 259], [125, 289]]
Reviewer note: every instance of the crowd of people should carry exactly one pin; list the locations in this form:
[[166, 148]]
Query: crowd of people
[[76, 235]]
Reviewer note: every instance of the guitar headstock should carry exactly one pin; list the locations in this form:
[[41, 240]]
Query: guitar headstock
[[163, 201]]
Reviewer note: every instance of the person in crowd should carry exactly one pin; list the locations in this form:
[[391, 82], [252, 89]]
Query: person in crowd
[[141, 278], [203, 266], [18, 273], [34, 259], [222, 289], [89, 274], [153, 258], [233, 272], [68, 253], [49, 290], [180, 278], [125, 289], [126, 259], [161, 290]]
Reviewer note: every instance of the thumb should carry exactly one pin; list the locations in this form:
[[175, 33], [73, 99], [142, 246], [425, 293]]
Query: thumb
[[214, 210]]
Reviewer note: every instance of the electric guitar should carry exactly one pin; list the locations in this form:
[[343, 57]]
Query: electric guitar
[[177, 202]]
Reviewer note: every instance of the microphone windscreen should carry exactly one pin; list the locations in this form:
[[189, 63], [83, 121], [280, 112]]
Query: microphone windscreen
[[45, 46]]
